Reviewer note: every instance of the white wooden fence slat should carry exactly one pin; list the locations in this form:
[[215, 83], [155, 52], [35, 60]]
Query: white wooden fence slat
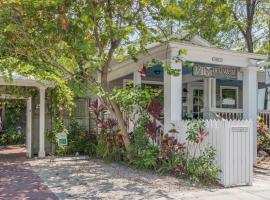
[[250, 145]]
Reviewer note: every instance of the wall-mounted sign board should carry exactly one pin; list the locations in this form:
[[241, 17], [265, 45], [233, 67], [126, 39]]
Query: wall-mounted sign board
[[62, 138], [209, 71]]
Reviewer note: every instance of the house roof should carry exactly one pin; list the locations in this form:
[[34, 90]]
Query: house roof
[[199, 50], [20, 80], [199, 41]]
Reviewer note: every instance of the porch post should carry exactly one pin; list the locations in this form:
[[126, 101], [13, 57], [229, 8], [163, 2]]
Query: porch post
[[29, 127], [267, 99], [137, 80], [207, 97], [213, 92], [41, 152], [172, 96], [250, 86]]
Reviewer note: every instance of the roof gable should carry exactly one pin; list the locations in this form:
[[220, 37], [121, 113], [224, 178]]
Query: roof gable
[[196, 39]]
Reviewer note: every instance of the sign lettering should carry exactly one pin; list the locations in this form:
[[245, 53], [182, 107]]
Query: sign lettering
[[214, 72]]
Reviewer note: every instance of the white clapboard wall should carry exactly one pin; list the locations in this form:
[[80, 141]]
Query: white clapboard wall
[[232, 141]]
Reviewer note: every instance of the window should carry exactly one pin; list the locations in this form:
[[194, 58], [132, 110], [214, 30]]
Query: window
[[197, 103], [229, 97]]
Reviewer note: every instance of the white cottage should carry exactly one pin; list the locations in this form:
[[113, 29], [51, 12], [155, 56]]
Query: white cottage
[[222, 84]]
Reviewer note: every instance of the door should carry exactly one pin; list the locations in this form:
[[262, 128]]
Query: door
[[197, 103]]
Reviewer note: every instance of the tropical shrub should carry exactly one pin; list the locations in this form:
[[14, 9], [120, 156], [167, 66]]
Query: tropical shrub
[[191, 160], [263, 138], [109, 147], [171, 156], [79, 142], [12, 137], [200, 163], [110, 144], [203, 168], [143, 154]]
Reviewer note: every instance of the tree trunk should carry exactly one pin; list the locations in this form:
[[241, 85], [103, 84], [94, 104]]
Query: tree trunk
[[114, 109], [121, 122], [249, 41], [250, 9]]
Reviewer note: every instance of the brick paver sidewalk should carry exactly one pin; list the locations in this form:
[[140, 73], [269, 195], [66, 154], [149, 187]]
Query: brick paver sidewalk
[[17, 180]]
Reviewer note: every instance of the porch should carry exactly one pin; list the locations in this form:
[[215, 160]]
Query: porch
[[205, 98]]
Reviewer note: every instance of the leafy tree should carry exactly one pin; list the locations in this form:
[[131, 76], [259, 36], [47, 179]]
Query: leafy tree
[[241, 24], [76, 42]]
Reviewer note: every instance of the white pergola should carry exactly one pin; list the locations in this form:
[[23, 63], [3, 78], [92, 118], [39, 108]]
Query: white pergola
[[22, 81], [198, 51]]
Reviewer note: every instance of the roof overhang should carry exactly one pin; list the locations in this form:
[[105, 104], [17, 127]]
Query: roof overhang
[[25, 81], [195, 53]]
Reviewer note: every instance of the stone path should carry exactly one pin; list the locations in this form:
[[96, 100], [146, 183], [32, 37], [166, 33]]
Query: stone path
[[17, 180]]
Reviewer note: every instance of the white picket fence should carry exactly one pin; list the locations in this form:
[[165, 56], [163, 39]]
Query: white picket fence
[[232, 141]]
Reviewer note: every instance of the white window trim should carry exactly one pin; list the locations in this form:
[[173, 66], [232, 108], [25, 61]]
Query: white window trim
[[233, 88], [192, 91], [190, 87]]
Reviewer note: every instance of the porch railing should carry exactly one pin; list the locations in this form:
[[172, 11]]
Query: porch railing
[[237, 114], [228, 114], [215, 113], [265, 116]]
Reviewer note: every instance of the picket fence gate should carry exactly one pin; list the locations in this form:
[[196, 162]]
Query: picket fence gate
[[232, 141]]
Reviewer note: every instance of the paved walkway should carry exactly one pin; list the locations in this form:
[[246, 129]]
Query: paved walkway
[[260, 190], [17, 180]]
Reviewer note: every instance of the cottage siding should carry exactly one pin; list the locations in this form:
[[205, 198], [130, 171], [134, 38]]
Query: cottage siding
[[119, 83]]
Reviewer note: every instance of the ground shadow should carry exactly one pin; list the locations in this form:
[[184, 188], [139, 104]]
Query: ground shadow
[[17, 179]]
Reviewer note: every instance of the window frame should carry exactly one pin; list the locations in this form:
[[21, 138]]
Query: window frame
[[232, 88]]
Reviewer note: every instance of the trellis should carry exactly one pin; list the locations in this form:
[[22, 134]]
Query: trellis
[[22, 81]]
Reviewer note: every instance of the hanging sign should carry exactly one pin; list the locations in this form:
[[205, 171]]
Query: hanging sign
[[267, 76], [221, 72], [62, 138]]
